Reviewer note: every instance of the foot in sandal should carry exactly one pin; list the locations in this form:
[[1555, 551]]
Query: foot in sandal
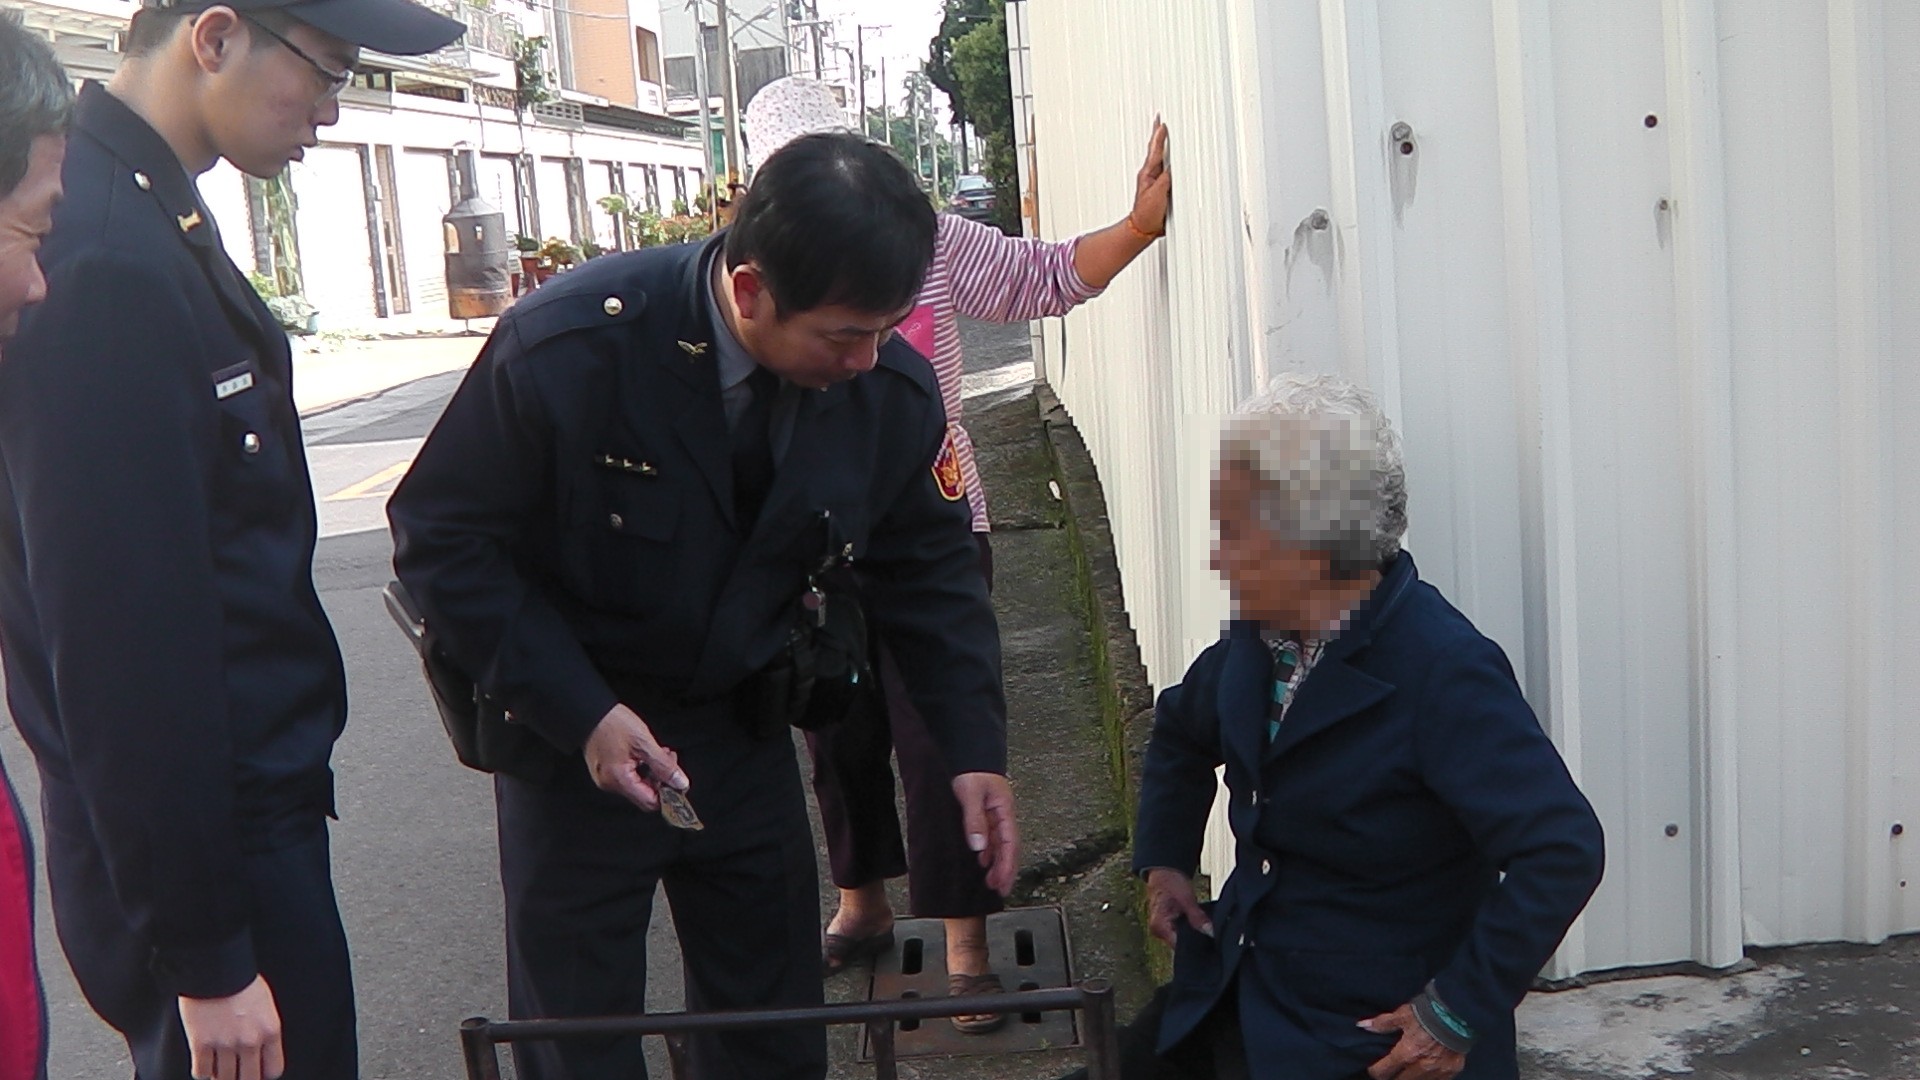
[[969, 971]]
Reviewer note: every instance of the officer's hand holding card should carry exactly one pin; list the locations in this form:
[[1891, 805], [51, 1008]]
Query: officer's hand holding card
[[623, 758]]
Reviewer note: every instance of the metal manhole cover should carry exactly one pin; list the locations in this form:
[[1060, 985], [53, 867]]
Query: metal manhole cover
[[1027, 948]]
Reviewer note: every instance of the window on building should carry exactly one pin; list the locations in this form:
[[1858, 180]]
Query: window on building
[[682, 81], [650, 185], [679, 183], [647, 50]]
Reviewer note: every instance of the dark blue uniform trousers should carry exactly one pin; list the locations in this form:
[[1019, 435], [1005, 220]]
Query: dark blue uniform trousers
[[579, 867], [297, 940]]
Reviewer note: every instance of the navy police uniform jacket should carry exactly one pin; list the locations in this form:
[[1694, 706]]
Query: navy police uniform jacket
[[1410, 823], [568, 528], [167, 657]]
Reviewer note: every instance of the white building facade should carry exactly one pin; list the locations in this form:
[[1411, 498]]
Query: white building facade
[[1635, 279], [369, 200]]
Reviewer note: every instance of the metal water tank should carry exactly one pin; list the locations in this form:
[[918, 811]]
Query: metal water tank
[[478, 282]]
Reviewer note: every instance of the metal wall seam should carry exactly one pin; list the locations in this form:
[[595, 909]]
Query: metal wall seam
[[1537, 329], [1704, 319], [1362, 206], [1862, 250]]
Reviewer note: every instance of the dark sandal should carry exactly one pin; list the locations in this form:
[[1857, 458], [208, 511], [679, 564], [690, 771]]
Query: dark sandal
[[964, 985], [840, 951]]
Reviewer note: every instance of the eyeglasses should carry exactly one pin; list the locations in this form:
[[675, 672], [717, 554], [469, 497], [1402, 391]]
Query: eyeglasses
[[336, 81]]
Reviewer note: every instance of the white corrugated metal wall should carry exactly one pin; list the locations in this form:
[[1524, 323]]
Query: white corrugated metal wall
[[1632, 278]]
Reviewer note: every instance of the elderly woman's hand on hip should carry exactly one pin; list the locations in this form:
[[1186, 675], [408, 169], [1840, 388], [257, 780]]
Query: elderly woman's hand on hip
[[1171, 900], [1418, 1055]]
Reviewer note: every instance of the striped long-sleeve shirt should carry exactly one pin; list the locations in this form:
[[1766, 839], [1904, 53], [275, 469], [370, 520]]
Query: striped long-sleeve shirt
[[984, 274]]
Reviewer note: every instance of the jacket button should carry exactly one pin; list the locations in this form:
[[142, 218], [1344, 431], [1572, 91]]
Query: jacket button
[[1266, 866], [616, 521], [140, 181], [1253, 798], [613, 306], [1243, 941], [250, 442]]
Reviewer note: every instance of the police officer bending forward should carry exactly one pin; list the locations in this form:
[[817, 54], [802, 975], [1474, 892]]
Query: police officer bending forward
[[612, 528]]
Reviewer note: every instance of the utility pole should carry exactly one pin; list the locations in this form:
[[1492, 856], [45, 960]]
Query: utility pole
[[702, 88], [886, 107], [922, 124], [730, 89], [860, 62], [819, 52], [707, 116], [934, 131], [860, 42]]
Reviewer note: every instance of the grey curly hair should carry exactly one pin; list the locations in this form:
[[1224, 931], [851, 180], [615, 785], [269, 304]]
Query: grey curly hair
[[35, 97], [1327, 469]]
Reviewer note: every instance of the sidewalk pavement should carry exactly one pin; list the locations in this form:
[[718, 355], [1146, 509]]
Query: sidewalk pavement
[[330, 369], [1072, 824], [1817, 1012]]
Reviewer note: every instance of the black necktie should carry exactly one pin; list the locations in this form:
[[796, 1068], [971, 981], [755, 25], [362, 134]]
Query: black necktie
[[753, 447]]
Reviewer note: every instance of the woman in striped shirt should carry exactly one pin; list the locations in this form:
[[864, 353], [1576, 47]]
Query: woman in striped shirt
[[984, 274]]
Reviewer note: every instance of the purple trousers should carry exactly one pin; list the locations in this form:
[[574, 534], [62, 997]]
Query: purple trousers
[[853, 780]]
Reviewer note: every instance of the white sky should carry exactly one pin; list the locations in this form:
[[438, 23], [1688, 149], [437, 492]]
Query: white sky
[[910, 25]]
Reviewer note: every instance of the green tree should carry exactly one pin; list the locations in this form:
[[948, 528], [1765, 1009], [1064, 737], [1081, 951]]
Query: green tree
[[962, 16], [980, 64], [911, 146]]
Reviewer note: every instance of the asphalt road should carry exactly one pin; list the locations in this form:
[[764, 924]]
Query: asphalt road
[[413, 851], [414, 847]]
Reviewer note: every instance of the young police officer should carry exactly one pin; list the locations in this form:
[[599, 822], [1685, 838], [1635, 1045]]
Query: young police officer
[[166, 654], [612, 529]]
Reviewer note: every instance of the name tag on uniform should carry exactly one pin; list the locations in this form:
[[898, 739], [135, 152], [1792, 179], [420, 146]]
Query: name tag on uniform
[[231, 381]]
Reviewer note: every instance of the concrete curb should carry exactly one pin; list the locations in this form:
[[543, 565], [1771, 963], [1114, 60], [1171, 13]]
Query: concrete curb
[[1126, 697]]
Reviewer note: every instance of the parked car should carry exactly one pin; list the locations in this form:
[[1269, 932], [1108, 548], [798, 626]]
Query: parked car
[[973, 198]]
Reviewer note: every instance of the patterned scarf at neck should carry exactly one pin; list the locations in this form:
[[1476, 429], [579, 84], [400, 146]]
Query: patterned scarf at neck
[[1291, 663]]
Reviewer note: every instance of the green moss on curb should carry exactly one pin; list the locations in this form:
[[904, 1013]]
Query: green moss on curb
[[1119, 683]]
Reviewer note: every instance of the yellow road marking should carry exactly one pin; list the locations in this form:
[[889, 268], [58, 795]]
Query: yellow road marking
[[370, 487]]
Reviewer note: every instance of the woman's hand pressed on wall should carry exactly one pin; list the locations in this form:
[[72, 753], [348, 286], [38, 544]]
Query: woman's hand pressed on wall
[[1153, 187], [1099, 256]]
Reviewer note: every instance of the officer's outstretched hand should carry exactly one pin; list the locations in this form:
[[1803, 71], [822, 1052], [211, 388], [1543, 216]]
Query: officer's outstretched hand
[[623, 758], [234, 1038], [986, 809]]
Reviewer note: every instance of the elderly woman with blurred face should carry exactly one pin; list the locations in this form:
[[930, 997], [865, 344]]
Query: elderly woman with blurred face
[[1409, 847]]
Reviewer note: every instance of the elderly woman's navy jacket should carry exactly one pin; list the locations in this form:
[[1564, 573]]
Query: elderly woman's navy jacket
[[1371, 833]]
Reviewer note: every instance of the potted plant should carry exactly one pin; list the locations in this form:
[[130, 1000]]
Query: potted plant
[[590, 249], [294, 313], [685, 229], [555, 255], [529, 250], [645, 226], [621, 212]]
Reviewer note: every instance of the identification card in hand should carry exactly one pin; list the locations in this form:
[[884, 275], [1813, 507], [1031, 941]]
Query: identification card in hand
[[675, 807]]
